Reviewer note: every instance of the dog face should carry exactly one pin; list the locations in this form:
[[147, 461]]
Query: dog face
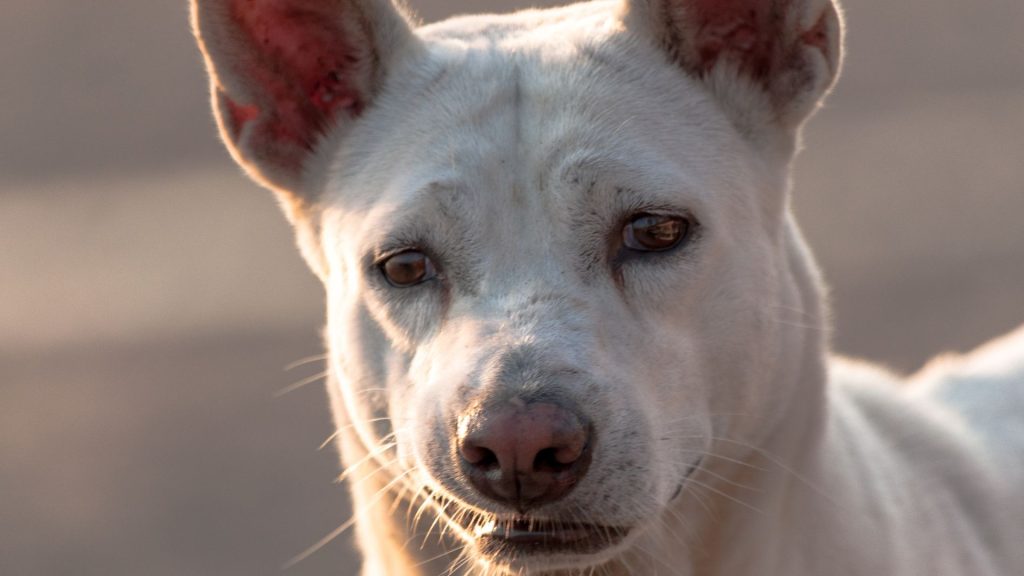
[[555, 244]]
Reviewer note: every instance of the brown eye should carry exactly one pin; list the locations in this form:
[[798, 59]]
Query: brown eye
[[408, 269], [654, 233]]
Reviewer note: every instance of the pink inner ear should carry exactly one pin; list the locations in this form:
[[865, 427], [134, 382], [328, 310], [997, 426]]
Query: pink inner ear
[[303, 64], [739, 28], [817, 36], [239, 115]]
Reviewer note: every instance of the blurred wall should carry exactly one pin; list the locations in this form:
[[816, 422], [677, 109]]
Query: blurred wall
[[150, 297]]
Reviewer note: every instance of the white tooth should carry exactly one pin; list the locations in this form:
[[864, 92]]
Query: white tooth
[[485, 528]]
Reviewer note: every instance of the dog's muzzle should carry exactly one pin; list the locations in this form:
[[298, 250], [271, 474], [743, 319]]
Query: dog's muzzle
[[521, 456]]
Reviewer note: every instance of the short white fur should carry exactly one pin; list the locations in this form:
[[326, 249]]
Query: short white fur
[[511, 145]]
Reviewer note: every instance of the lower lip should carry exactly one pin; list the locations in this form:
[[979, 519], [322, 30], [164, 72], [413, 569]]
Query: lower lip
[[524, 537]]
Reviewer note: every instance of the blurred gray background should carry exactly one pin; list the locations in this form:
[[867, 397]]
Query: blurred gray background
[[150, 296]]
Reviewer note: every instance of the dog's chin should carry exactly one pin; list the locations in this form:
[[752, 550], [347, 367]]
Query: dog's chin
[[530, 546]]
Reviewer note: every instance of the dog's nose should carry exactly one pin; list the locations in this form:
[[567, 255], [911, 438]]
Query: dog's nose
[[523, 454]]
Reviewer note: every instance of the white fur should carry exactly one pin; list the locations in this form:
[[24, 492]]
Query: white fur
[[511, 145]]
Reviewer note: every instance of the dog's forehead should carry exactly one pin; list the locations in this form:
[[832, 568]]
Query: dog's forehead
[[564, 78], [516, 103]]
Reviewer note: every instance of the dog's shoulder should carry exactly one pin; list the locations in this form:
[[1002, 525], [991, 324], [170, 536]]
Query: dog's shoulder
[[1001, 359], [975, 398], [947, 442], [985, 388]]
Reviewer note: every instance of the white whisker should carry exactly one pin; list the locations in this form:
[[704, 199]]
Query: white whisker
[[301, 383], [304, 361], [333, 534]]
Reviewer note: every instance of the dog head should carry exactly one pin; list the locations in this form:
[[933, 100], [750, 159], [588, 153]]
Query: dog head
[[556, 244]]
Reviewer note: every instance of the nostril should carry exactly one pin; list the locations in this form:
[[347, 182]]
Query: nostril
[[489, 461], [548, 460], [479, 457]]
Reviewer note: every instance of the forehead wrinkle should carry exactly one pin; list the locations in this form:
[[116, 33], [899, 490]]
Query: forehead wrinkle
[[433, 206], [589, 135], [449, 199], [597, 180]]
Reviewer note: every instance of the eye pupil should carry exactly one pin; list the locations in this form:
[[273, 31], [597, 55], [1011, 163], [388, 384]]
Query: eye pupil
[[408, 268], [650, 233]]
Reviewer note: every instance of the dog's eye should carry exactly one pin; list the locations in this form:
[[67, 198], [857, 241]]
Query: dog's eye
[[408, 268], [655, 233]]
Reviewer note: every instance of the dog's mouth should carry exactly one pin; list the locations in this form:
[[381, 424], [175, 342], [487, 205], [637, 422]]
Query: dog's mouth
[[516, 539], [528, 537]]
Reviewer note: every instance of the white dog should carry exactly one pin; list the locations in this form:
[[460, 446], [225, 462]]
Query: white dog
[[573, 327]]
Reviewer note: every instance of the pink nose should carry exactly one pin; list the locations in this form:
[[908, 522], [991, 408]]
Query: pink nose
[[524, 455]]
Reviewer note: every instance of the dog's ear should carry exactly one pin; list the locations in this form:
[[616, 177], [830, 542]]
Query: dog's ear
[[283, 72], [783, 54]]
